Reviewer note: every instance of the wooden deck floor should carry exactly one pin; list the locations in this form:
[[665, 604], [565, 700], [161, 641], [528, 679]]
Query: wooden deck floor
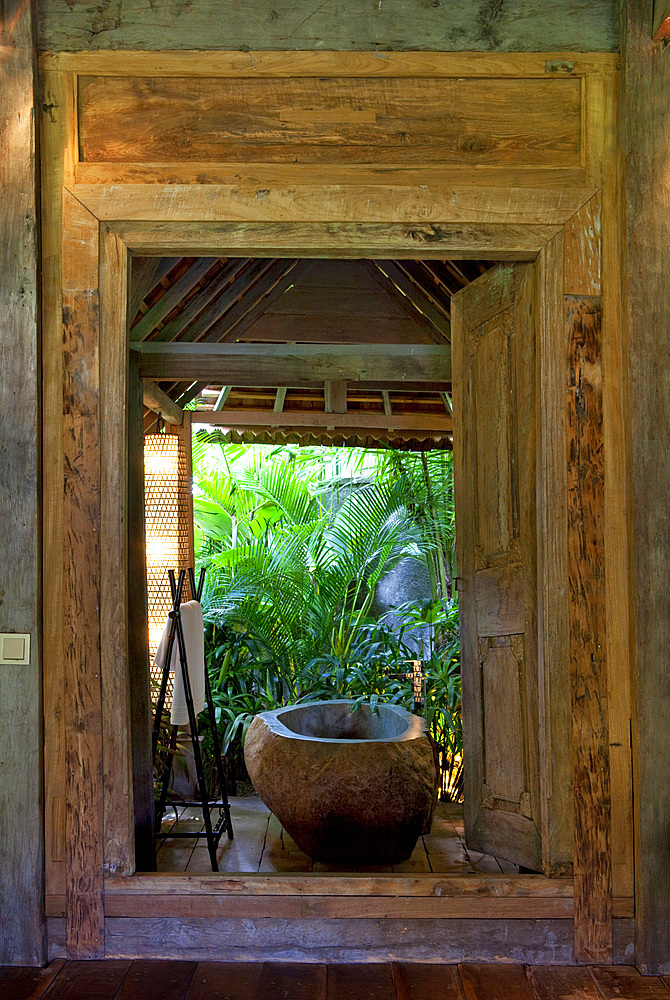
[[140, 980], [261, 845]]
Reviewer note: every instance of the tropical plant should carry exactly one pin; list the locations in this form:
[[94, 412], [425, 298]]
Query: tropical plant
[[295, 546]]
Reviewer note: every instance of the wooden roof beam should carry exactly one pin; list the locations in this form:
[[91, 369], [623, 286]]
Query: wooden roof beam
[[335, 395], [293, 364], [222, 397], [147, 273], [239, 417], [417, 296], [280, 399], [155, 399], [226, 279], [172, 297]]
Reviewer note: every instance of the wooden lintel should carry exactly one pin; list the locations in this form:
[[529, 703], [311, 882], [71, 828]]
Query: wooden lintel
[[361, 419], [155, 399], [294, 365]]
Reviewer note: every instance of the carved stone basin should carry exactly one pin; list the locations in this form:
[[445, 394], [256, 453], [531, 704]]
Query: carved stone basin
[[348, 786]]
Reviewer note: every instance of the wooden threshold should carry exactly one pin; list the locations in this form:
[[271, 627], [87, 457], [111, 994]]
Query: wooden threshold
[[319, 896]]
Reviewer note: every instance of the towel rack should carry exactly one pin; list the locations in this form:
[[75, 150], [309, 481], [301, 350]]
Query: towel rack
[[213, 831]]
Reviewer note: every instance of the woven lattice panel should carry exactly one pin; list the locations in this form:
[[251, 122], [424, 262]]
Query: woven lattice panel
[[167, 512]]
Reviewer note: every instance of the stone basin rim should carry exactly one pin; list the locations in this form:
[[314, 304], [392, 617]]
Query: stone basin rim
[[415, 727]]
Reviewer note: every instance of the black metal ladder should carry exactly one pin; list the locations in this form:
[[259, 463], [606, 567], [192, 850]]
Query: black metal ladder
[[213, 832]]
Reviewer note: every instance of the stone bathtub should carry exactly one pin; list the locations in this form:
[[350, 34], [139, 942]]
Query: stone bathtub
[[348, 786]]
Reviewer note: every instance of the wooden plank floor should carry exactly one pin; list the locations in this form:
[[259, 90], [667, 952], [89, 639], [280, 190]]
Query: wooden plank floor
[[261, 845], [140, 980]]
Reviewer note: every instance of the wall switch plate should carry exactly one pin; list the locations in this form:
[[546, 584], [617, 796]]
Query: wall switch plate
[[14, 647]]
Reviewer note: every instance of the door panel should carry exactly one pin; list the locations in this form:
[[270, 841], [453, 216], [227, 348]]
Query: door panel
[[493, 342]]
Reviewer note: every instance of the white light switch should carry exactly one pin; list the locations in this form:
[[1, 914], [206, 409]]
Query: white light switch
[[14, 647]]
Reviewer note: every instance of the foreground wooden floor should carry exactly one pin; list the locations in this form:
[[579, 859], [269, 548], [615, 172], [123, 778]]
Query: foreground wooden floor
[[139, 980]]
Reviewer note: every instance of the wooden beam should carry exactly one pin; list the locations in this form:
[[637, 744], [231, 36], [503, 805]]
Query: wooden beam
[[155, 399], [360, 419], [172, 297], [238, 319], [335, 395], [446, 399], [397, 276], [22, 940], [293, 365], [386, 399], [222, 397], [246, 273], [147, 280], [280, 399], [196, 305], [646, 152], [143, 271]]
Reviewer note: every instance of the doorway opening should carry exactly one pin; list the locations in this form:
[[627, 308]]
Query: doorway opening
[[381, 331]]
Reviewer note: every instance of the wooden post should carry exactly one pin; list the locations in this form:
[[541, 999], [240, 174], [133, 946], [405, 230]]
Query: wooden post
[[84, 827], [646, 132], [21, 841]]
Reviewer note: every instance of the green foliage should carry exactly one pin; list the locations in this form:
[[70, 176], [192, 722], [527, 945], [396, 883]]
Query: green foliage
[[295, 542]]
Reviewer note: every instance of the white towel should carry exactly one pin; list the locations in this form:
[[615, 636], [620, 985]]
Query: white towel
[[194, 641]]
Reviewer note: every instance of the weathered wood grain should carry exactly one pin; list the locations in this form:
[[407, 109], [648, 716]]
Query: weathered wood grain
[[155, 399], [616, 982], [496, 886], [552, 557], [81, 628], [119, 819], [348, 940], [646, 118], [332, 203], [288, 364], [21, 843], [519, 26], [225, 981], [533, 122], [345, 240], [586, 612], [562, 983], [145, 980], [331, 906], [504, 982], [242, 417], [416, 981], [54, 129]]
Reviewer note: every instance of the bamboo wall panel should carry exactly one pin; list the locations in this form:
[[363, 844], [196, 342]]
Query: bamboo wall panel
[[21, 840], [467, 25], [534, 122]]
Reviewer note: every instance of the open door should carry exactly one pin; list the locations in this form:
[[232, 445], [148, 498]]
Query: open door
[[495, 409]]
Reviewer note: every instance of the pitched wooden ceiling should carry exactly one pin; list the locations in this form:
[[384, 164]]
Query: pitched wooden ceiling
[[318, 307]]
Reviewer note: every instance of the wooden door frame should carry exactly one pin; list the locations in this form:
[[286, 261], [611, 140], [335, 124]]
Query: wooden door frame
[[90, 823]]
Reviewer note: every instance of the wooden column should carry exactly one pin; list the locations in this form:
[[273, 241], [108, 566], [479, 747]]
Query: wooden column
[[587, 593], [81, 556], [646, 134], [21, 840]]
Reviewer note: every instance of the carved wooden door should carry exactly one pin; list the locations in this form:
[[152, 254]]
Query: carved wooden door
[[494, 390]]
